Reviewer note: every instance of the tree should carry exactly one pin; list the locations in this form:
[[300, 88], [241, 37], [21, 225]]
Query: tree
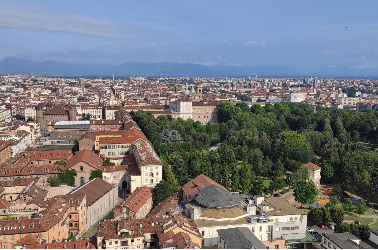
[[107, 162], [354, 229], [342, 227], [85, 117], [327, 170], [316, 215], [347, 205], [361, 207], [95, 174], [162, 191], [326, 215], [68, 176], [54, 181], [61, 162], [257, 186], [169, 177], [235, 179], [304, 192], [246, 178], [337, 190], [30, 119], [364, 231], [333, 202], [337, 214]]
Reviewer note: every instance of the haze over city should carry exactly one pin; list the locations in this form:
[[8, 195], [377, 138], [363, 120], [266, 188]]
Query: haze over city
[[328, 38]]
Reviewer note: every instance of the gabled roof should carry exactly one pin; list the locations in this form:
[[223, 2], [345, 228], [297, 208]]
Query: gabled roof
[[311, 166], [343, 240], [145, 154], [197, 184], [93, 189], [4, 204], [137, 198], [86, 156]]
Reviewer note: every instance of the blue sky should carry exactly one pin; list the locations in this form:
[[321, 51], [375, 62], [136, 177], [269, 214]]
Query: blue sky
[[299, 34]]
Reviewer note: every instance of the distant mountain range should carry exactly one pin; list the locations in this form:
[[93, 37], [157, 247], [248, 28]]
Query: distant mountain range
[[12, 65]]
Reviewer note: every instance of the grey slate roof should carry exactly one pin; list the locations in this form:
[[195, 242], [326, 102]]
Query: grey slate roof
[[240, 238], [213, 196], [343, 240]]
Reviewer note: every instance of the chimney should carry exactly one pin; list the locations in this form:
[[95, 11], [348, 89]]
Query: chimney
[[64, 246], [75, 246], [88, 244]]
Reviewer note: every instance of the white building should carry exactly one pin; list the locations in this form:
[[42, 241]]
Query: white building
[[183, 107]]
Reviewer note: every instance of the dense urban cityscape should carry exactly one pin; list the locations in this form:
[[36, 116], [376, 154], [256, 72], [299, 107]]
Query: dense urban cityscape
[[184, 162]]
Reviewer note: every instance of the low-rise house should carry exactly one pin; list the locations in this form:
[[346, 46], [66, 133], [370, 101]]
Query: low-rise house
[[238, 238], [78, 213], [51, 225], [314, 173], [145, 233], [5, 151], [344, 240], [36, 243], [48, 157], [100, 199], [84, 162], [137, 205]]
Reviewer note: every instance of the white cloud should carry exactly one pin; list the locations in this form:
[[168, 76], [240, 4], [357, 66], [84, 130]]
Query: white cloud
[[49, 21], [255, 43]]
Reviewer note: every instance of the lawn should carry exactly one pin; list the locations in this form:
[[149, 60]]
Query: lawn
[[374, 226], [267, 183], [363, 220]]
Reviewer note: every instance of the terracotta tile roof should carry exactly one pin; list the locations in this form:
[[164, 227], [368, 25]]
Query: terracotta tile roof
[[28, 240], [145, 154], [137, 199], [4, 204], [56, 111], [108, 229], [86, 156], [49, 155], [178, 241], [164, 207], [197, 184], [77, 244], [18, 182], [4, 144], [94, 190], [88, 135], [106, 122], [311, 166]]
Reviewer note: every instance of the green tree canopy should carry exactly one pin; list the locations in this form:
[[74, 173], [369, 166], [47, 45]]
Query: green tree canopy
[[162, 191], [304, 192], [95, 174]]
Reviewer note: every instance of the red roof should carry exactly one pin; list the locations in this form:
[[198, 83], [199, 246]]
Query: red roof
[[311, 166], [137, 198], [86, 156], [197, 184]]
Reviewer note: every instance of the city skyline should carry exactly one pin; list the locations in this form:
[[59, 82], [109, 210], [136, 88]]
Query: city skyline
[[305, 38]]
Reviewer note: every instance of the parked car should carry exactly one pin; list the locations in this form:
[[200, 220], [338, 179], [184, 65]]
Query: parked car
[[314, 232], [322, 226], [310, 230], [330, 226]]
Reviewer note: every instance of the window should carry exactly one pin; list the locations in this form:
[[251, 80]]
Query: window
[[291, 218], [260, 237], [253, 229], [12, 237], [203, 242], [267, 237], [276, 247], [203, 233], [210, 242], [110, 242], [277, 229], [260, 228], [295, 218], [211, 232]]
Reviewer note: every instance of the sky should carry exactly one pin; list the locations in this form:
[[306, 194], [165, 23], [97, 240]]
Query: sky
[[292, 33]]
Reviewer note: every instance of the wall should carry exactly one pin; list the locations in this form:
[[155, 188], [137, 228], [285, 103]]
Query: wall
[[101, 207]]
